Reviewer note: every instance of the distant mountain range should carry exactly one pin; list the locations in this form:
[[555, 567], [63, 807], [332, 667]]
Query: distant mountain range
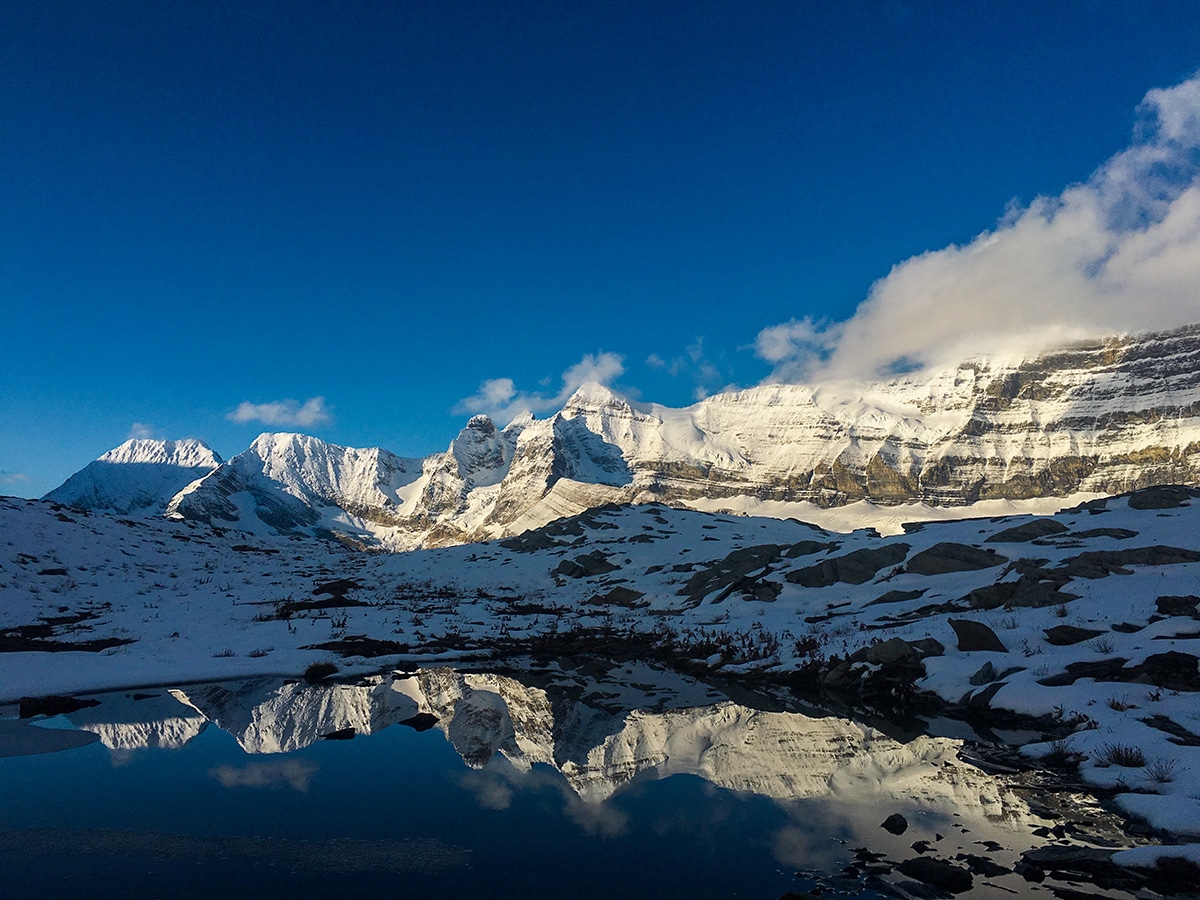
[[1101, 417]]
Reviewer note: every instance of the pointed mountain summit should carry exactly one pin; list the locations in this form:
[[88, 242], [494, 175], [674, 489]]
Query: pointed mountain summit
[[139, 476]]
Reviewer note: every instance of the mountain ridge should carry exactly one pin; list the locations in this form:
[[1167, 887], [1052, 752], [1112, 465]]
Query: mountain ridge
[[1098, 417]]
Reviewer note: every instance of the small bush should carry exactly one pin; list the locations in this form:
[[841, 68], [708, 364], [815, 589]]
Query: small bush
[[223, 654], [1162, 771], [259, 652], [1122, 755], [1061, 756], [1102, 645], [319, 671], [1120, 704]]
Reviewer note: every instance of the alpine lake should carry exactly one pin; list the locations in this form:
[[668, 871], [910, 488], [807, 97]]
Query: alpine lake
[[625, 781]]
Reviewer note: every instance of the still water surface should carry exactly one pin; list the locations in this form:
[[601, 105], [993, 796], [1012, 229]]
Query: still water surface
[[564, 788]]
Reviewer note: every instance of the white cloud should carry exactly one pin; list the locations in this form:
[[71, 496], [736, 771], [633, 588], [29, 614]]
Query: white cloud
[[13, 477], [311, 413], [294, 773], [1118, 253], [140, 431], [500, 399]]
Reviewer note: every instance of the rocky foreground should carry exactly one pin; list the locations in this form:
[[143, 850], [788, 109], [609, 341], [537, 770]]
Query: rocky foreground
[[1070, 639]]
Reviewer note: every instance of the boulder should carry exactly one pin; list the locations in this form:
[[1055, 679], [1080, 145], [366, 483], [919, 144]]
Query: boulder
[[1166, 496], [1178, 606], [1019, 534], [584, 566], [856, 567], [895, 824], [976, 636], [620, 596], [897, 597], [937, 872], [730, 571], [1173, 670], [947, 556], [1065, 635], [1102, 563]]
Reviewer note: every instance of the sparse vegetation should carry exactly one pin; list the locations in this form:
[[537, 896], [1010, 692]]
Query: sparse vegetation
[[1162, 771], [1123, 755]]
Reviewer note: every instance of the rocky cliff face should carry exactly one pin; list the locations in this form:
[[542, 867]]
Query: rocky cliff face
[[1103, 417]]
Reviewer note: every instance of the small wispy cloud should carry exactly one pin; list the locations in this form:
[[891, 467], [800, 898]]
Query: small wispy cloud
[[141, 431], [500, 399], [694, 363], [7, 477], [1117, 253], [309, 414], [293, 773]]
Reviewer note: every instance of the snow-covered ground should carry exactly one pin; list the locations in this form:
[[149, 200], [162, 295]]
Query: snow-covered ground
[[740, 596]]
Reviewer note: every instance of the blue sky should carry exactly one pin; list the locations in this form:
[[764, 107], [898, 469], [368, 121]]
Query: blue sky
[[207, 210]]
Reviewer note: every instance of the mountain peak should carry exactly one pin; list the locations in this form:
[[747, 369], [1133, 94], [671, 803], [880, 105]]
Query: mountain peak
[[592, 394], [140, 476], [189, 453]]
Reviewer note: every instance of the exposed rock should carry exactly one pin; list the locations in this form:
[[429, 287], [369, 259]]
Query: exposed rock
[[1178, 606], [981, 865], [856, 567], [620, 596], [1173, 670], [1179, 735], [976, 636], [1092, 863], [1036, 587], [808, 548], [897, 597], [950, 557], [1101, 563], [1119, 534], [895, 824], [1162, 497], [986, 674], [730, 571], [585, 565], [1028, 531], [1065, 635], [937, 872], [1101, 670]]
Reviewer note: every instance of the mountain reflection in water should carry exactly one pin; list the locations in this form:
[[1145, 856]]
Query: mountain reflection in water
[[593, 740]]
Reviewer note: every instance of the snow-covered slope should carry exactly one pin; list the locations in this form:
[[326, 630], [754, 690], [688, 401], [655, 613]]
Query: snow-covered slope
[[140, 476], [1092, 419]]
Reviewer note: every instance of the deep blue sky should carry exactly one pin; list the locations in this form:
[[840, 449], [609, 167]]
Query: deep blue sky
[[386, 204]]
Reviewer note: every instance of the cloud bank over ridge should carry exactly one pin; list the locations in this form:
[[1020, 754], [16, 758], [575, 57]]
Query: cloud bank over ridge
[[500, 399], [1118, 253]]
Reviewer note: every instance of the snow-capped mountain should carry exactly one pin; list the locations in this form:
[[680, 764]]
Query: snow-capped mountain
[[285, 482], [140, 476], [1098, 418]]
